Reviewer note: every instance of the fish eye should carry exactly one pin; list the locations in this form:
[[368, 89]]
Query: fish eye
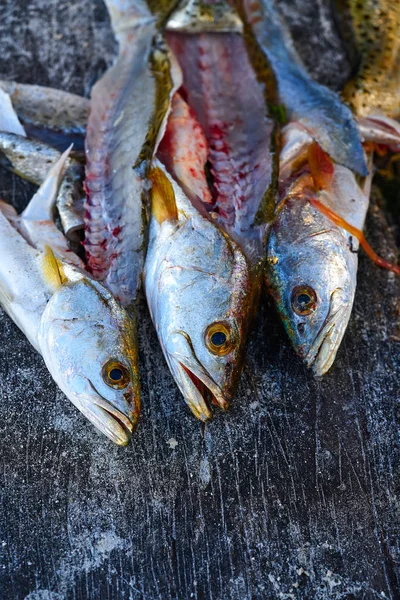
[[115, 374], [304, 300], [218, 338]]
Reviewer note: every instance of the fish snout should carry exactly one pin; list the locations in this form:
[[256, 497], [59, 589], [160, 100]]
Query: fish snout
[[196, 384]]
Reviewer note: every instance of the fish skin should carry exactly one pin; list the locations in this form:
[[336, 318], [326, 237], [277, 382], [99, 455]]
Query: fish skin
[[194, 276], [375, 89], [320, 110], [128, 107], [31, 160], [49, 115], [71, 320]]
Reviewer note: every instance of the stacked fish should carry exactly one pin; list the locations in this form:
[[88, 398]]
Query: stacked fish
[[193, 184]]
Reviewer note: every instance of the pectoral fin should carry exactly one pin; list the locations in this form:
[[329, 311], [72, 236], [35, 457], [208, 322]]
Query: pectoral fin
[[53, 269], [163, 204]]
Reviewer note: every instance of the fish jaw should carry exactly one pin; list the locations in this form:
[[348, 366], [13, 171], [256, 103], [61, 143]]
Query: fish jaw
[[322, 352], [193, 379], [117, 424]]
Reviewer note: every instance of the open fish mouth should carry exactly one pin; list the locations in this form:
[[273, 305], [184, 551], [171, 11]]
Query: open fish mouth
[[111, 421], [323, 350], [199, 390]]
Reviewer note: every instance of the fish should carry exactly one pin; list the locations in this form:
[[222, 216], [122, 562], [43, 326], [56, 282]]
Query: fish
[[215, 170], [328, 120], [87, 340], [312, 260], [52, 116], [311, 268], [84, 336], [129, 105], [31, 160], [199, 293]]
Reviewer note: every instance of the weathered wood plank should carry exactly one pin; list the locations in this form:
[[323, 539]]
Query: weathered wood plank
[[292, 494]]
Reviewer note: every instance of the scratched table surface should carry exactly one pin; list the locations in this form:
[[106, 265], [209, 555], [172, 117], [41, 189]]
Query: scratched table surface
[[294, 493]]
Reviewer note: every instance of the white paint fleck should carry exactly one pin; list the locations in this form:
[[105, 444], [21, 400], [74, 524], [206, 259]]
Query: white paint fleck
[[172, 443]]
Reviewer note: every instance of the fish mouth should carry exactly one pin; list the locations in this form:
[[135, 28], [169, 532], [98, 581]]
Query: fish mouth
[[111, 421], [197, 386], [323, 350]]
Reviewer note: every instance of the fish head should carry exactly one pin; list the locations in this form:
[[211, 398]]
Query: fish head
[[88, 342], [199, 291], [311, 273]]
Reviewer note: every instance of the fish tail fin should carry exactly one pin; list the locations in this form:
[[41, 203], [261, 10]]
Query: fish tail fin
[[41, 206]]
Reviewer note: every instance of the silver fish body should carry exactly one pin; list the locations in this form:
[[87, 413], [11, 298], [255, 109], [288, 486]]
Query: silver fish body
[[320, 110], [31, 160], [86, 338]]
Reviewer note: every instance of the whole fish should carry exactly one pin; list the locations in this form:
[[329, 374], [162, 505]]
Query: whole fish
[[205, 241]]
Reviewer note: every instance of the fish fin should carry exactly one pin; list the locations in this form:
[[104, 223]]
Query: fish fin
[[41, 206], [8, 210], [321, 166], [53, 269], [163, 203], [9, 121], [357, 233]]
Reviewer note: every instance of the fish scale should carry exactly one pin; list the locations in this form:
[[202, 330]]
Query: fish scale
[[376, 87]]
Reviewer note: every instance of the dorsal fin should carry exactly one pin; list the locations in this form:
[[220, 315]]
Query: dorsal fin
[[163, 204], [9, 121], [41, 206]]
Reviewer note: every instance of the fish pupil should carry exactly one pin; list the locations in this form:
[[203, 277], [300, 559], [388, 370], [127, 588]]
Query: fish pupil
[[303, 300], [116, 374], [218, 338]]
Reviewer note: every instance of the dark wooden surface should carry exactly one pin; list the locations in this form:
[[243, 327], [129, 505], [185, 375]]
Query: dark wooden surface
[[292, 494]]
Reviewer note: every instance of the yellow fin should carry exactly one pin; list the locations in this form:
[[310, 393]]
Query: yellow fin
[[163, 205], [53, 269]]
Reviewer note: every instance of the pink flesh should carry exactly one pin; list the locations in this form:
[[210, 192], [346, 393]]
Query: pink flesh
[[229, 103], [184, 150]]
